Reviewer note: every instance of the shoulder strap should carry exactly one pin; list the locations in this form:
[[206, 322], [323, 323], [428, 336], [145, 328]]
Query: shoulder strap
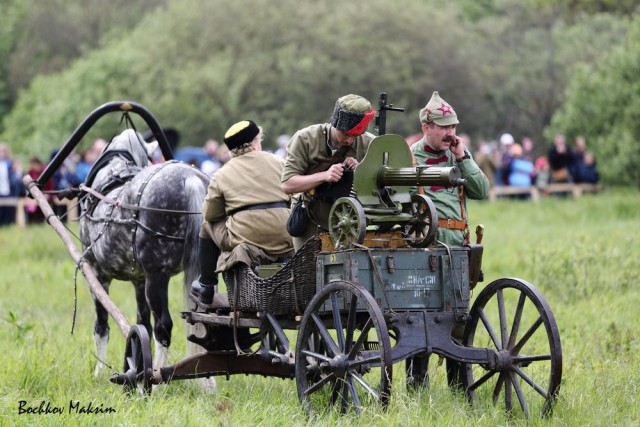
[[463, 213]]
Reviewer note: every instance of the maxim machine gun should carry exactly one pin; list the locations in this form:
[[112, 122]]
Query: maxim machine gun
[[382, 200]]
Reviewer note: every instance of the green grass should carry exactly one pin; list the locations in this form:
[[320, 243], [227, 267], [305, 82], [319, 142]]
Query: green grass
[[583, 255]]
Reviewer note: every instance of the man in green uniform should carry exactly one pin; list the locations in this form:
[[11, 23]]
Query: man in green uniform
[[321, 159], [441, 147], [244, 204]]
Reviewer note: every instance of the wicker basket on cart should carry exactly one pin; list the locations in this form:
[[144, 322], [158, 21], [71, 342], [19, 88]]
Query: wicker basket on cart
[[288, 291]]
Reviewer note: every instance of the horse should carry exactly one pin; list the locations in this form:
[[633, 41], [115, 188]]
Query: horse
[[140, 223]]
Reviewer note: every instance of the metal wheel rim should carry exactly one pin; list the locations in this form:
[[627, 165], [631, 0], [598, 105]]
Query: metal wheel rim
[[528, 378], [317, 380], [137, 361], [347, 222], [424, 225]]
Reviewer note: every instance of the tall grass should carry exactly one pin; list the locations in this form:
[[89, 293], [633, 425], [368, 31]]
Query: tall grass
[[583, 255]]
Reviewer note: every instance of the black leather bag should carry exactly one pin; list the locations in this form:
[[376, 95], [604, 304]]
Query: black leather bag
[[298, 219]]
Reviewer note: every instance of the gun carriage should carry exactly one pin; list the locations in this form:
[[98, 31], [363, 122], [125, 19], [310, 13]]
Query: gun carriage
[[376, 290]]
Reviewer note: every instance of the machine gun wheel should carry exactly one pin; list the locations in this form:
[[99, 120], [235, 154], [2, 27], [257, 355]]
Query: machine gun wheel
[[528, 366], [423, 227], [347, 222], [343, 352], [138, 368]]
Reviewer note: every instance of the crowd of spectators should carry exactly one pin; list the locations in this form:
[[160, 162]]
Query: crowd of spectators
[[209, 157], [10, 182], [505, 163], [509, 163], [70, 174]]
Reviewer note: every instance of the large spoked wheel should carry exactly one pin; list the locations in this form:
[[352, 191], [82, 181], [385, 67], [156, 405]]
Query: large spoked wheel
[[347, 222], [421, 230], [138, 368], [511, 317], [343, 353]]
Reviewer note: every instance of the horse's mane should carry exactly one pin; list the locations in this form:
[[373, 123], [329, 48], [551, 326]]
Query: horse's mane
[[121, 146]]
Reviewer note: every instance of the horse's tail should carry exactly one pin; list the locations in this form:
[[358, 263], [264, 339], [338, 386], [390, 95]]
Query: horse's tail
[[195, 190]]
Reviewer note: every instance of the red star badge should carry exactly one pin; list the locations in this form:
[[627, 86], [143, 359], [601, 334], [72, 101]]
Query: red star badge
[[445, 109]]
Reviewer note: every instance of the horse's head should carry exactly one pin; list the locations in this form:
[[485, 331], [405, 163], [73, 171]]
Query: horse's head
[[129, 141], [124, 152]]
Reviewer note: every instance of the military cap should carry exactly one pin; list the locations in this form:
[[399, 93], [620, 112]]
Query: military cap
[[352, 114], [241, 133], [439, 112]]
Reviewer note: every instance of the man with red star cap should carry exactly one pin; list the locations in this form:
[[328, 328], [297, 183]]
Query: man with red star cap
[[321, 159], [440, 146]]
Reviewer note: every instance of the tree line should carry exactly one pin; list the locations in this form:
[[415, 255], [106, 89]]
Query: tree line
[[528, 67]]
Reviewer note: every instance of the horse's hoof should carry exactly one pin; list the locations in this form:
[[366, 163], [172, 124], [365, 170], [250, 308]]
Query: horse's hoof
[[208, 385]]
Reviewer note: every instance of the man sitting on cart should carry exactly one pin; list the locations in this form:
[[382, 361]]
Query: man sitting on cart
[[245, 206], [440, 146]]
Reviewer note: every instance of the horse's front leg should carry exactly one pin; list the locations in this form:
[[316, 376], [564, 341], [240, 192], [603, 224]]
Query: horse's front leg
[[157, 295], [101, 330], [144, 313]]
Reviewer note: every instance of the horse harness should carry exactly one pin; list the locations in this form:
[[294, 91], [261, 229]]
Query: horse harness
[[119, 180]]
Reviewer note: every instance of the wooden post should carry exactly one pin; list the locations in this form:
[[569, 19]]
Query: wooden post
[[92, 281]]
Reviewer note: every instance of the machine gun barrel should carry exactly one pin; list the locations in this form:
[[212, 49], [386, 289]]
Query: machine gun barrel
[[421, 175]]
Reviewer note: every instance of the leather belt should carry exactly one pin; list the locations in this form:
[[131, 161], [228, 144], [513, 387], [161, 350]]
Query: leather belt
[[452, 224], [271, 205]]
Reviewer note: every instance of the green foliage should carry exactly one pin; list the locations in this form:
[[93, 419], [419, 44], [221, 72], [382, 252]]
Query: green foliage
[[603, 104], [55, 32], [13, 12], [571, 8], [197, 72], [21, 328], [42, 38], [201, 65]]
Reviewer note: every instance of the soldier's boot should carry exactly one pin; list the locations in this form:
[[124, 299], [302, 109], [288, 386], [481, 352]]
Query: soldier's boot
[[204, 287]]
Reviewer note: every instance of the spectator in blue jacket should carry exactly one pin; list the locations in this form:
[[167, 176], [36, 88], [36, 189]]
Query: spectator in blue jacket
[[521, 170]]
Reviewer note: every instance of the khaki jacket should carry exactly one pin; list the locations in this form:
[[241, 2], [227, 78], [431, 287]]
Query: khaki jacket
[[250, 179]]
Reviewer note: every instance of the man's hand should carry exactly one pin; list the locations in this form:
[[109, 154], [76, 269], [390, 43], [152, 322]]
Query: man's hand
[[457, 146], [350, 163], [334, 173]]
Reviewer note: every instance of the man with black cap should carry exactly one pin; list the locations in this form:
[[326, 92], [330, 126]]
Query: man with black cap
[[245, 204], [440, 146], [321, 159]]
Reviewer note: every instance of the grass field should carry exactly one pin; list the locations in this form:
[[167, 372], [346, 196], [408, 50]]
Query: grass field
[[583, 255]]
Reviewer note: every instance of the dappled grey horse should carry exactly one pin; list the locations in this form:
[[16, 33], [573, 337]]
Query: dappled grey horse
[[142, 227]]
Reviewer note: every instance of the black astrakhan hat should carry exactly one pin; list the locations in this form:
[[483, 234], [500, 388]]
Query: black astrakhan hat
[[241, 133], [352, 114]]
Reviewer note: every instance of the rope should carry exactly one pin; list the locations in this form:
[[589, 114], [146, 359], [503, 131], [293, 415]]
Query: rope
[[454, 279], [377, 274]]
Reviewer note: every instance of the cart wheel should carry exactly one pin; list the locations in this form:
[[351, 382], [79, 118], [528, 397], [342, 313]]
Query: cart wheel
[[347, 222], [423, 227], [274, 344], [350, 366], [527, 343], [138, 368]]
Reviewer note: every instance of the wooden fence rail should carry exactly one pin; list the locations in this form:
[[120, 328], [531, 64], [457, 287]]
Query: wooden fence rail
[[576, 190], [21, 203]]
